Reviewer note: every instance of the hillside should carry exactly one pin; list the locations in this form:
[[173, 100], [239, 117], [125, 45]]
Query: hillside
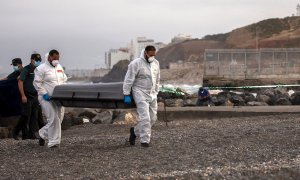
[[271, 33], [181, 76], [117, 73], [191, 50], [175, 76]]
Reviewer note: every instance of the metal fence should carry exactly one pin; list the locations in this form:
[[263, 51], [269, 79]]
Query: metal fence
[[252, 63]]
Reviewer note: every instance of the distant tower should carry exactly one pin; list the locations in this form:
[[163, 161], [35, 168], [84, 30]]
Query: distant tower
[[298, 10]]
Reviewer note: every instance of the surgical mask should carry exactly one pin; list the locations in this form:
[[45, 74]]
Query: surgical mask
[[55, 63], [151, 59], [15, 68], [37, 63]]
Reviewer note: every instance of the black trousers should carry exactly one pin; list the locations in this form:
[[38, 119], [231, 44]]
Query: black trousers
[[200, 102], [31, 119]]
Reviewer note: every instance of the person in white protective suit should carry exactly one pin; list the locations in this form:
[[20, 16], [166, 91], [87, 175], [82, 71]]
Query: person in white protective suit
[[47, 76], [142, 78]]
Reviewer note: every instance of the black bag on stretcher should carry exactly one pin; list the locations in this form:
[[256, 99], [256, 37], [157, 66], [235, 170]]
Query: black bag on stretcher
[[102, 95]]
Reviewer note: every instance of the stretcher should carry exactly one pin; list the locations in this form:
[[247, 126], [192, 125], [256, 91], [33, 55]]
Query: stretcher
[[102, 95]]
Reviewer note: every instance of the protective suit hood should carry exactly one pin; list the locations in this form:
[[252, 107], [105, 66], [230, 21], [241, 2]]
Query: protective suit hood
[[143, 57], [46, 57], [142, 54]]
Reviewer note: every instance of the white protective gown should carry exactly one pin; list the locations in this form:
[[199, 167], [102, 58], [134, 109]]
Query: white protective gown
[[143, 78], [46, 78]]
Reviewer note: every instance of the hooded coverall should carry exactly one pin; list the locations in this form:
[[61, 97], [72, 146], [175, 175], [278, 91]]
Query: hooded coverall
[[143, 78], [46, 78]]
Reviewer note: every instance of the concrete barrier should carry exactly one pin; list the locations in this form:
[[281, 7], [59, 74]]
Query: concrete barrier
[[185, 113]]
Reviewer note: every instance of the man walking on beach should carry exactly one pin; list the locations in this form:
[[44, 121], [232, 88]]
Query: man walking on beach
[[47, 76], [142, 78], [30, 105]]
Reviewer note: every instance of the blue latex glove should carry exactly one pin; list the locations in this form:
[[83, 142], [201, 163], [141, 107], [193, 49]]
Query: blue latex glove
[[127, 99], [46, 97]]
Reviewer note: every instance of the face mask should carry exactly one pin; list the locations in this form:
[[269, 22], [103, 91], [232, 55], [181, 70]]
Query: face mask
[[55, 63], [37, 63], [151, 59], [15, 68]]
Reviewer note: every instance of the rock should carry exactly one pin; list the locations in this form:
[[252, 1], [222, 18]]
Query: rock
[[67, 122], [229, 103], [249, 97], [283, 101], [272, 100], [76, 111], [126, 118], [170, 95], [160, 104], [4, 132], [77, 121], [191, 96], [268, 92], [263, 98], [220, 100], [226, 95], [105, 117], [237, 100], [279, 99], [214, 100], [277, 96], [88, 113], [116, 113], [70, 120], [117, 73], [280, 90], [190, 102], [174, 102], [254, 103], [284, 95], [295, 98]]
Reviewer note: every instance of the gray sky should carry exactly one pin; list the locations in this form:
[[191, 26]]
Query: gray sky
[[82, 30]]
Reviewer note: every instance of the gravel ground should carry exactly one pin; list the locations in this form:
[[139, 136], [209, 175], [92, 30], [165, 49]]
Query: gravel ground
[[265, 147]]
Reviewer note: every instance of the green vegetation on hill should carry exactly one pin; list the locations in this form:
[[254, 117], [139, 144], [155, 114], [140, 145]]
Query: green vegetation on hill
[[217, 37], [269, 27]]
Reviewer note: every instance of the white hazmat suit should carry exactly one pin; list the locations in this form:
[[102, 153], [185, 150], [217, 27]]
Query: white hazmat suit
[[143, 78], [46, 78]]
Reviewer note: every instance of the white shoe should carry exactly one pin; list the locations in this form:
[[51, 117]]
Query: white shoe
[[208, 105]]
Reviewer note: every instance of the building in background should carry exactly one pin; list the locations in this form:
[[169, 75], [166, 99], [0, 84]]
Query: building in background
[[180, 38], [298, 10], [140, 44], [159, 45], [132, 51], [113, 56], [78, 73], [99, 72]]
